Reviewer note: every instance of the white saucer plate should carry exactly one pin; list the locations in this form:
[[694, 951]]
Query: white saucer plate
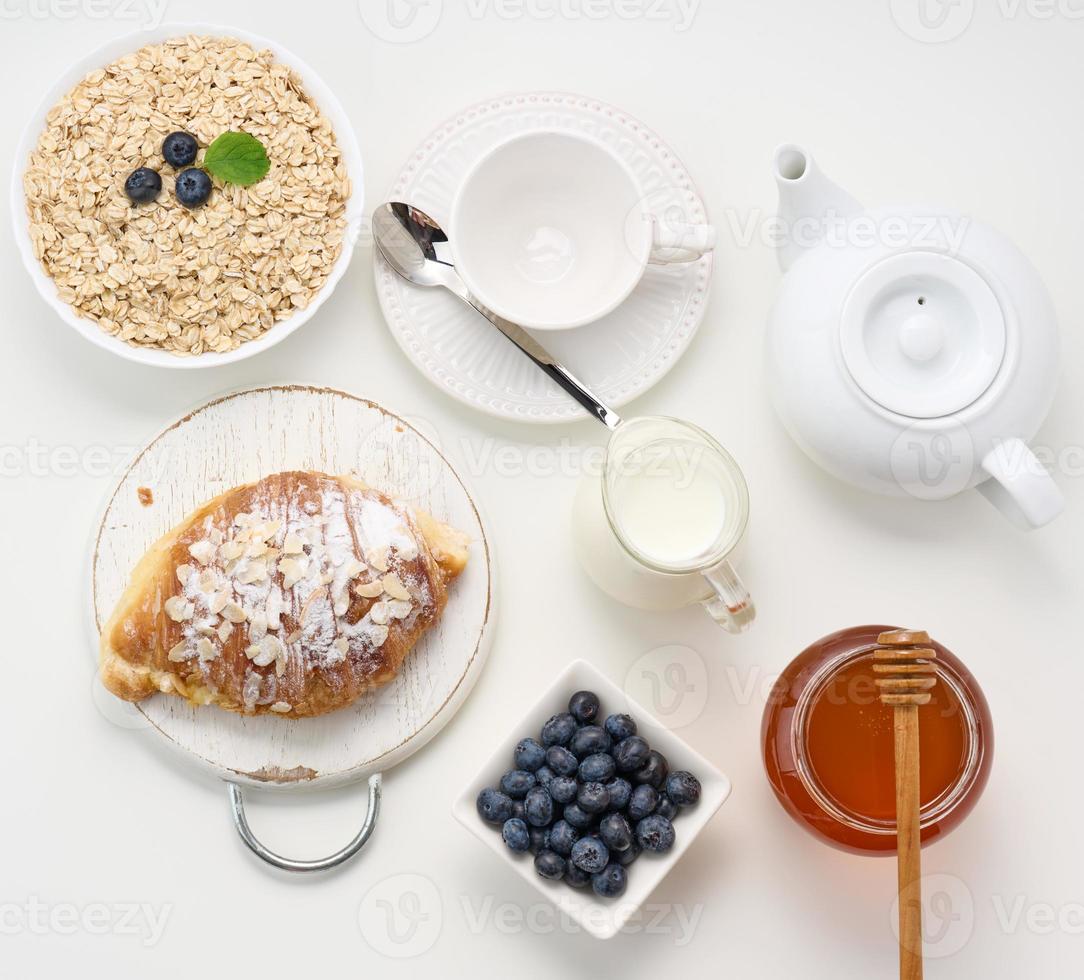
[[620, 356]]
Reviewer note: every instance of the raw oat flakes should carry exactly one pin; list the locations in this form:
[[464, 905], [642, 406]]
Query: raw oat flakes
[[158, 275]]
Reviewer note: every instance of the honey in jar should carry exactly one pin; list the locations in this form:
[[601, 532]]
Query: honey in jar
[[829, 752]]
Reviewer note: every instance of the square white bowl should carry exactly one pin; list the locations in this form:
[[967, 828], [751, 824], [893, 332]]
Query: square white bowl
[[602, 918]]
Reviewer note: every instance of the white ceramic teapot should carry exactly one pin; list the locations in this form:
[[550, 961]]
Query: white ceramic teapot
[[911, 351]]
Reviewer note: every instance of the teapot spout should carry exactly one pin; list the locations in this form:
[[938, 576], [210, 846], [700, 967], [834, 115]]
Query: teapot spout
[[808, 201]]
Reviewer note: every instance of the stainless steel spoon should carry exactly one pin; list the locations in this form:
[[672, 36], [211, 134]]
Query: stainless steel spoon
[[416, 247]]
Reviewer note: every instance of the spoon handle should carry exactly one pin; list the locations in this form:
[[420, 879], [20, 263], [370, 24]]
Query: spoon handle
[[557, 371]]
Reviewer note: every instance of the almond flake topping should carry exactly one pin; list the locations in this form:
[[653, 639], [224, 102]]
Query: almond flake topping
[[378, 558], [178, 608], [353, 567], [394, 587], [252, 571], [234, 613], [179, 652], [256, 549], [231, 550], [273, 573], [206, 649], [202, 551], [269, 530], [292, 571], [281, 707], [266, 651]]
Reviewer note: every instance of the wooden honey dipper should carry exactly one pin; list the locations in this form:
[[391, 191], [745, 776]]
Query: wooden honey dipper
[[903, 663]]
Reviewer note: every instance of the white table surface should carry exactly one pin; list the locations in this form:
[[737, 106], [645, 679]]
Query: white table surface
[[95, 819]]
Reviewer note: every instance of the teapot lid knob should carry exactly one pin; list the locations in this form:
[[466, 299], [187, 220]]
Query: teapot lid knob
[[922, 336]]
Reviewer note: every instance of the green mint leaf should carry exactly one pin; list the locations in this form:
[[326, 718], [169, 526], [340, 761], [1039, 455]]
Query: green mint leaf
[[237, 158]]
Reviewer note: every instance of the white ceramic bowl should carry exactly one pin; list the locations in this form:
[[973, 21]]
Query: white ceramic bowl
[[602, 918], [101, 57]]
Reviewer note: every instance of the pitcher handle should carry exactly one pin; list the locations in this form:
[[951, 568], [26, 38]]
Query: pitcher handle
[[1020, 484], [731, 606]]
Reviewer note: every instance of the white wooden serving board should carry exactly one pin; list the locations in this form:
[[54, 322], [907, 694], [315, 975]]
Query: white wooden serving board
[[247, 435]]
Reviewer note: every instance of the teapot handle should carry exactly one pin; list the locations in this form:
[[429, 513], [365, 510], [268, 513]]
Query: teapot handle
[[1020, 487]]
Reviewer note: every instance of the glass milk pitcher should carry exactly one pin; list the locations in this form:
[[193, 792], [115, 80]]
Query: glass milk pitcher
[[658, 528]]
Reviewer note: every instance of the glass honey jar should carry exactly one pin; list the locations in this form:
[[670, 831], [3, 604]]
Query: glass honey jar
[[828, 745]]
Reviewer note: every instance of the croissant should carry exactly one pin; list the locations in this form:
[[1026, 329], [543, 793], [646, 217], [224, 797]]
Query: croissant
[[293, 596]]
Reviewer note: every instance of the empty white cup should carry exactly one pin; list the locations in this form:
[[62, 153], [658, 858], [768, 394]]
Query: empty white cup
[[552, 230]]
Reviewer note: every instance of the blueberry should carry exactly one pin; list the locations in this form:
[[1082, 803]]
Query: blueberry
[[543, 776], [655, 833], [575, 877], [192, 187], [561, 761], [549, 865], [654, 771], [562, 836], [529, 755], [558, 730], [179, 149], [642, 802], [610, 881], [584, 707], [597, 768], [683, 788], [589, 740], [625, 858], [590, 854], [494, 807], [666, 807], [519, 811], [615, 832], [619, 727], [516, 783], [620, 790], [578, 817], [516, 835], [631, 753], [563, 789], [539, 807], [593, 798], [540, 839], [143, 185]]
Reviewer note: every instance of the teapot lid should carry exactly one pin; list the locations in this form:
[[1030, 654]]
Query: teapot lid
[[923, 334]]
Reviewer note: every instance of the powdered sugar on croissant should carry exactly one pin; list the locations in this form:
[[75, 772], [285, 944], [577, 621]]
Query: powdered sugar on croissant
[[293, 595]]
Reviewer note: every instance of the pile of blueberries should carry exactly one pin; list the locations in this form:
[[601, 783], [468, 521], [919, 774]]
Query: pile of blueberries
[[192, 185], [588, 799]]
